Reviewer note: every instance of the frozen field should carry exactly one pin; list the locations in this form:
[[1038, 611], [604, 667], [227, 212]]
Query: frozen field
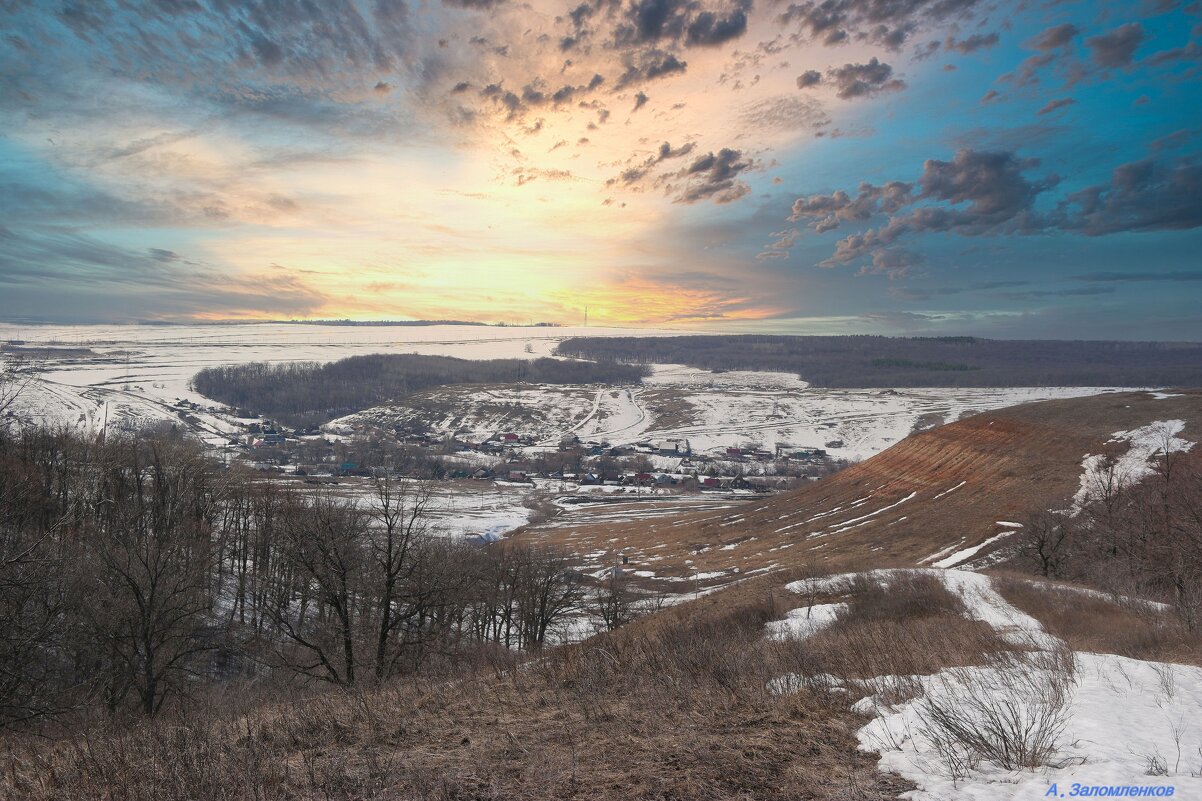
[[126, 376], [713, 411], [131, 375]]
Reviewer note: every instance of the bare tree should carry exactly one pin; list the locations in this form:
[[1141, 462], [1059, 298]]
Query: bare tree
[[614, 603], [147, 571], [13, 381], [324, 542], [1046, 541], [547, 592]]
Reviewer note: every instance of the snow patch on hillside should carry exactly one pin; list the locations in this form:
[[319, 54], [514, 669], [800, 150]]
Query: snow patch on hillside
[[1101, 474], [1116, 721]]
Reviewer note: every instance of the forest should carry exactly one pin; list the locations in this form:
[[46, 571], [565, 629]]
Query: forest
[[138, 576], [876, 361], [308, 393]]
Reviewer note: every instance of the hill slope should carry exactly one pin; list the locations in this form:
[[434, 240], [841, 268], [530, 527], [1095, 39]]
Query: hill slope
[[931, 499]]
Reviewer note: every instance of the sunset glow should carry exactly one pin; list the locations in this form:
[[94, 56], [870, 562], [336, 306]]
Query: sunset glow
[[922, 166]]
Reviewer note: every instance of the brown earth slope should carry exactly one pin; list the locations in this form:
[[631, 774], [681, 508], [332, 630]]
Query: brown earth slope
[[929, 497]]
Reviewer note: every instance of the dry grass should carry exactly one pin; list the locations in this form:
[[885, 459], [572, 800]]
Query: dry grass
[[674, 712], [1088, 621], [915, 626]]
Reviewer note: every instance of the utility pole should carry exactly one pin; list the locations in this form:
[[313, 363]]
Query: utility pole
[[586, 316]]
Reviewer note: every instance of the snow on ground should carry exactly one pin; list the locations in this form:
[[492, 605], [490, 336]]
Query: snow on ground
[[482, 509], [1126, 723], [967, 553], [1100, 475], [1126, 720], [804, 622], [139, 370]]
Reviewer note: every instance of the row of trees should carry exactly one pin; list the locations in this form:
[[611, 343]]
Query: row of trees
[[1141, 538], [136, 572], [875, 361], [307, 393]]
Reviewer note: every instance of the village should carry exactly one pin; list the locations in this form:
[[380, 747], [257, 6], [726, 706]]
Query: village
[[341, 450]]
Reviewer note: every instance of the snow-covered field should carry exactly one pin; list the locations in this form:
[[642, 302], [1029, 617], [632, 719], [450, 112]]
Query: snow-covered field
[[1111, 721], [713, 411], [135, 374]]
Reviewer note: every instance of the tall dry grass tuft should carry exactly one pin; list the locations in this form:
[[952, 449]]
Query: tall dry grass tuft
[[1091, 621]]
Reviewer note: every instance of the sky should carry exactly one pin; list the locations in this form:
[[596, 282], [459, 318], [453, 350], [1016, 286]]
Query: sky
[[916, 167]]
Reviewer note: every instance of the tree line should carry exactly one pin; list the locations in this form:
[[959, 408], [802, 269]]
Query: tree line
[[877, 361], [308, 393], [1139, 538], [136, 572]]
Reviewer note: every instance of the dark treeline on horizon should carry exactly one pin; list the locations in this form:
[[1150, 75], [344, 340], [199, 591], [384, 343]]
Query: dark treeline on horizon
[[877, 361], [307, 393]]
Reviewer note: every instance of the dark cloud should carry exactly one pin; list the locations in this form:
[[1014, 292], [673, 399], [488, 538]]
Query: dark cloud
[[652, 20], [976, 193], [1053, 38], [1145, 195], [1052, 45], [667, 22], [1116, 48], [1052, 105], [893, 262], [708, 29], [864, 80], [979, 193], [809, 78], [714, 176], [827, 212], [648, 66], [632, 176], [474, 4], [640, 100], [978, 41], [888, 23]]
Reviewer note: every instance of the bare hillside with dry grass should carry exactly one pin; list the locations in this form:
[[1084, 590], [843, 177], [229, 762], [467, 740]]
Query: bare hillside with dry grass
[[930, 499]]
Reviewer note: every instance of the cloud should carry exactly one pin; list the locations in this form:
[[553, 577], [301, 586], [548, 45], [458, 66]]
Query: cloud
[[887, 23], [893, 262], [714, 176], [809, 78], [1172, 277], [1040, 294], [973, 194], [779, 247], [1053, 38], [1116, 48], [1052, 105], [988, 192], [708, 29], [640, 100], [633, 176], [864, 80], [1146, 195], [978, 41], [649, 66], [56, 273], [1052, 44], [786, 113]]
